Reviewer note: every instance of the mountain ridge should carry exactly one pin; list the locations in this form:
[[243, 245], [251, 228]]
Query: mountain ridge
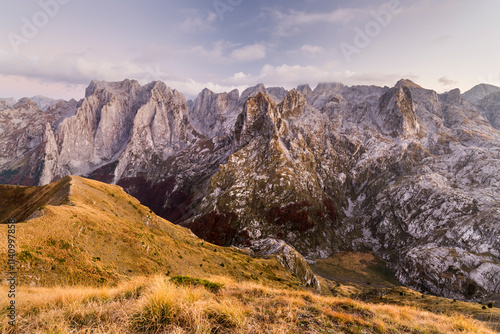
[[403, 171]]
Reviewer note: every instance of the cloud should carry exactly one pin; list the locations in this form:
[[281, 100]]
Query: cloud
[[221, 52], [216, 52], [292, 22], [249, 53], [199, 23], [445, 81], [312, 49], [290, 76], [78, 70], [341, 15]]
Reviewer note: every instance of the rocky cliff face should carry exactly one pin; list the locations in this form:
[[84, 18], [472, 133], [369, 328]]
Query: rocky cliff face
[[215, 114], [23, 133], [486, 98], [6, 103], [405, 172]]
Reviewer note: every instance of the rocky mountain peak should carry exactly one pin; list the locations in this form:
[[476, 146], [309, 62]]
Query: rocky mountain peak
[[487, 99], [44, 102], [277, 94], [26, 104], [119, 87], [160, 92], [250, 92], [6, 103], [257, 107], [305, 90], [407, 83], [256, 118], [479, 92], [293, 103], [328, 86], [234, 95], [214, 114], [395, 114], [453, 96]]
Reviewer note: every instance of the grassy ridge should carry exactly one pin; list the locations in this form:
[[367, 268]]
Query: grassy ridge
[[101, 235]]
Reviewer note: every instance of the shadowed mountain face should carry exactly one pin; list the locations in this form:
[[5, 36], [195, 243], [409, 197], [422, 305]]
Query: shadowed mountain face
[[402, 171]]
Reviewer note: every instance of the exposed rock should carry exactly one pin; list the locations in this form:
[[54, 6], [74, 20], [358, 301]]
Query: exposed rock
[[479, 92], [275, 93], [305, 90], [22, 130], [289, 258], [6, 103], [44, 102], [215, 114], [395, 115]]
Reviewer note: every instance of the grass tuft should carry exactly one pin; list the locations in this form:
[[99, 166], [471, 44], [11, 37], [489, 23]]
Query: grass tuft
[[190, 281]]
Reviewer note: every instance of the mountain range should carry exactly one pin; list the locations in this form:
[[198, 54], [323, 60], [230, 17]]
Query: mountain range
[[404, 172]]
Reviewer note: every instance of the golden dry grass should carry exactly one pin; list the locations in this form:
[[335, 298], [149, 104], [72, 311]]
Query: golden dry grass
[[99, 262], [156, 305], [101, 236]]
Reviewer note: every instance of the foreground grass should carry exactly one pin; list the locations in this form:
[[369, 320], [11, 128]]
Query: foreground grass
[[160, 305]]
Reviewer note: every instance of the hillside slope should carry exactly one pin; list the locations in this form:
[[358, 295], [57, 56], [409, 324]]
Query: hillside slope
[[121, 257], [88, 232]]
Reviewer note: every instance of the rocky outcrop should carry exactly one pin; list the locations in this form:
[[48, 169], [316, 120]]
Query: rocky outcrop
[[160, 127], [395, 115], [215, 114], [479, 92], [6, 103], [22, 131], [44, 102], [289, 258], [277, 94], [487, 99]]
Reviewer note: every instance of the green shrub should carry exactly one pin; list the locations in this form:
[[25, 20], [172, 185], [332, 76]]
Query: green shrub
[[186, 280], [65, 245]]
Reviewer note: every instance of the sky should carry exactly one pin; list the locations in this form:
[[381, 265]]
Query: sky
[[56, 47]]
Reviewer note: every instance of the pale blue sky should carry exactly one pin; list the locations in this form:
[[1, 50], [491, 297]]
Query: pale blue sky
[[225, 44]]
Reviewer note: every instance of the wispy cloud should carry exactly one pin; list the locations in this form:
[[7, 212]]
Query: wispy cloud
[[215, 52], [249, 53], [292, 75], [292, 22], [198, 23], [312, 49], [445, 81]]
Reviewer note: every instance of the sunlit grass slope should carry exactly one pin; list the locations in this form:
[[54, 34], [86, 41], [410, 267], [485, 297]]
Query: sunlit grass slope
[[98, 234], [158, 305]]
